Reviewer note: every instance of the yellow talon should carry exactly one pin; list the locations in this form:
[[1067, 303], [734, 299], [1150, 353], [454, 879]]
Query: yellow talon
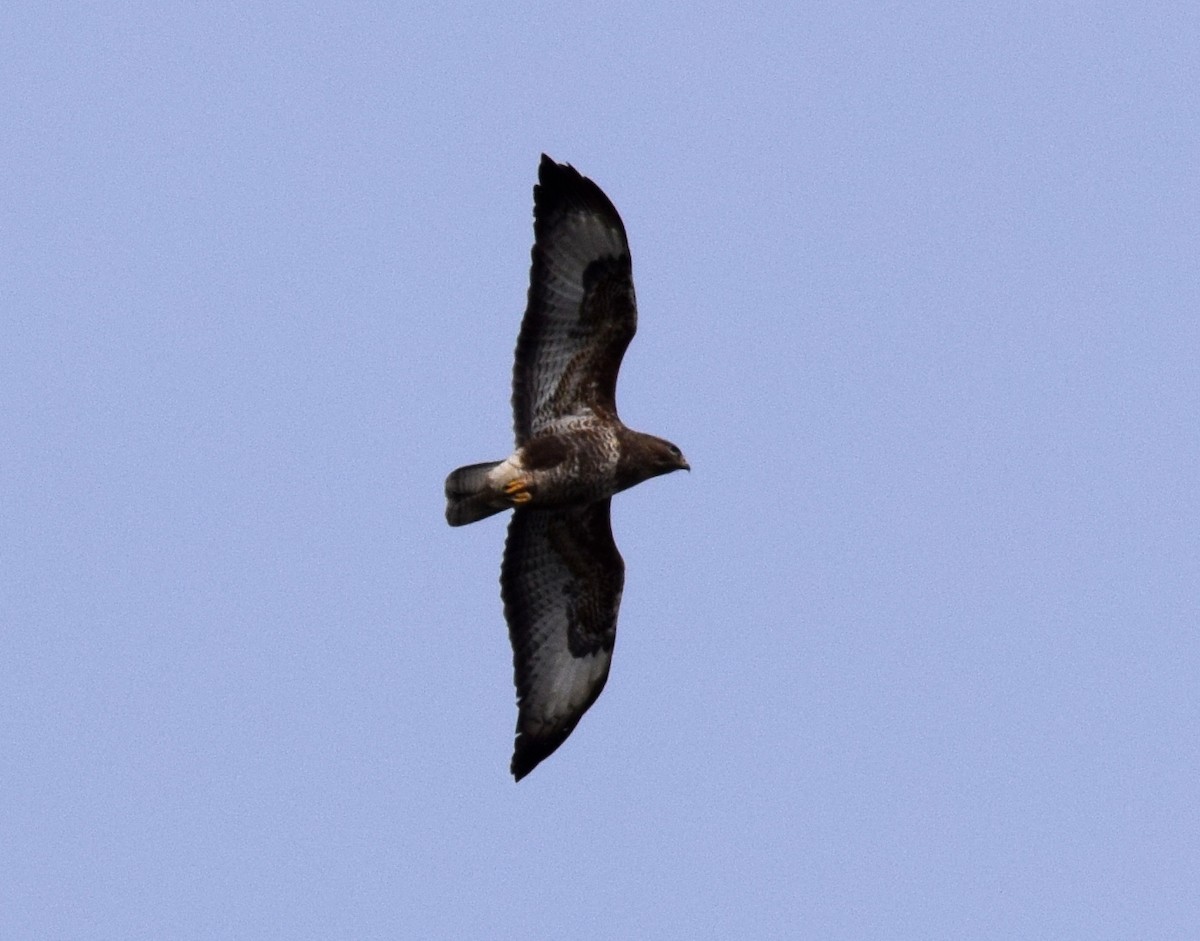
[[517, 491]]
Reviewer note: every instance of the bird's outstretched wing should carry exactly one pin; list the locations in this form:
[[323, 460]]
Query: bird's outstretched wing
[[561, 583], [581, 312]]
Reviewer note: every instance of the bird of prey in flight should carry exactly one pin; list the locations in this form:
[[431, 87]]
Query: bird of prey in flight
[[562, 575]]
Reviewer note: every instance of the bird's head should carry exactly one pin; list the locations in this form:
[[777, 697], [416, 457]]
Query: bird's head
[[669, 458], [645, 456]]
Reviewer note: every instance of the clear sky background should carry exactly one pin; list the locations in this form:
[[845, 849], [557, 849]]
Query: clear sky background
[[911, 654]]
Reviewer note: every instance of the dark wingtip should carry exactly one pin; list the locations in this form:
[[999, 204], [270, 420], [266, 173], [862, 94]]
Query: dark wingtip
[[529, 752], [552, 173], [560, 186], [527, 755]]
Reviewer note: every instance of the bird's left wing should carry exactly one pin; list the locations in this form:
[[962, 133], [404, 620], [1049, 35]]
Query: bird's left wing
[[581, 313], [561, 583]]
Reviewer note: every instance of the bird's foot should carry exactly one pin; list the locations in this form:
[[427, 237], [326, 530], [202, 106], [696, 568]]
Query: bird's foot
[[518, 491]]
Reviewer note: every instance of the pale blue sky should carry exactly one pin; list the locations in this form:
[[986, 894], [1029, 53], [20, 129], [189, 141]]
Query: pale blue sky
[[911, 654]]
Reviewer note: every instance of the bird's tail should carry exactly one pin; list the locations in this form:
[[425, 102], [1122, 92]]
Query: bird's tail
[[467, 495]]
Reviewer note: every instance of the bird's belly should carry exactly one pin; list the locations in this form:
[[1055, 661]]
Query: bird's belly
[[559, 488]]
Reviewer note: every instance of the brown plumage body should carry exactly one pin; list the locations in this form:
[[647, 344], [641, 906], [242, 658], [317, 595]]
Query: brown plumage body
[[590, 463]]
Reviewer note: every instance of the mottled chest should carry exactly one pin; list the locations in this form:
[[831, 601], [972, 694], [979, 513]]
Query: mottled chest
[[575, 465]]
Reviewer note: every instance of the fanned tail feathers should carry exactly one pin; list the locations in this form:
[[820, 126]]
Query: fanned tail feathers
[[467, 497]]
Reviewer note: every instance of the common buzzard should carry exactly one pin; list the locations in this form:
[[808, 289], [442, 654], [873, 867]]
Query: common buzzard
[[562, 575]]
